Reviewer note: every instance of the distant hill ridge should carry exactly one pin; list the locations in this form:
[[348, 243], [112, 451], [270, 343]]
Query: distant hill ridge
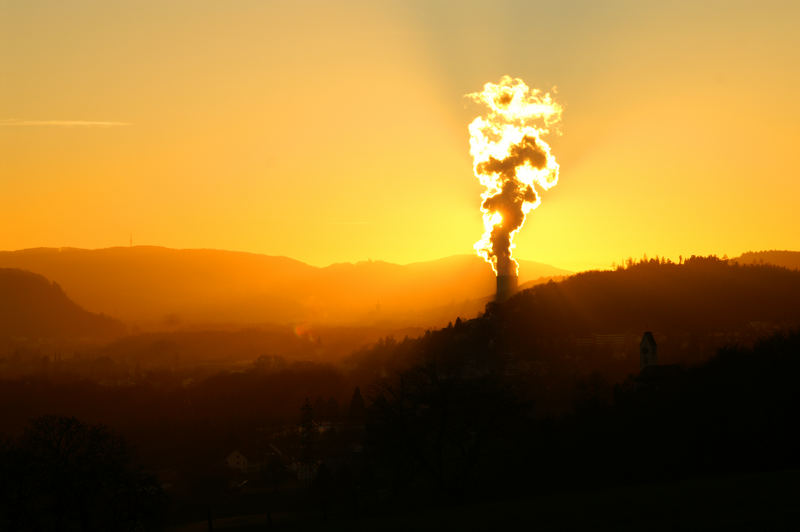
[[160, 285], [32, 307], [784, 258]]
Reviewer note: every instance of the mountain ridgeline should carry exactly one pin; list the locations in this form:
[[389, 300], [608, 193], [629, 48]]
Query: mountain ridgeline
[[156, 286]]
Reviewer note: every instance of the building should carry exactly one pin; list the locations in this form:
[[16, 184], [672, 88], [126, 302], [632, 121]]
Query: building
[[648, 351], [252, 458]]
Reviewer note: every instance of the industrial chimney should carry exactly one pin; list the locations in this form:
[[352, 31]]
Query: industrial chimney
[[506, 286]]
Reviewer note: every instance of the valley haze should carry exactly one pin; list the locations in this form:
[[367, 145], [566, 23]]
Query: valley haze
[[157, 287]]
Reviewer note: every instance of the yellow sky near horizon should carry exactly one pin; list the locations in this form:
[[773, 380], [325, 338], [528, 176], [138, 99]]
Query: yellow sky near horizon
[[333, 132]]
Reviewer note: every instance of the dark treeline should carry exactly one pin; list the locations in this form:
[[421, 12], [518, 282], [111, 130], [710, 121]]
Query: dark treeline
[[62, 474], [542, 394], [182, 432], [454, 435], [461, 432]]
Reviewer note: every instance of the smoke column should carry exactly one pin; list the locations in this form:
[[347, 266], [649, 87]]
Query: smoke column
[[511, 160]]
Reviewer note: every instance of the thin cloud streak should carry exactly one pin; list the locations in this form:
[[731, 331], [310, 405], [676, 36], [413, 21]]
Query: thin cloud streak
[[60, 123]]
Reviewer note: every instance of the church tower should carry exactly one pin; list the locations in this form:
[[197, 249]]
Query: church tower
[[648, 351]]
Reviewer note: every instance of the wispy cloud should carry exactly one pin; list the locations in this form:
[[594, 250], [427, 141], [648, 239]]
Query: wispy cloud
[[60, 123]]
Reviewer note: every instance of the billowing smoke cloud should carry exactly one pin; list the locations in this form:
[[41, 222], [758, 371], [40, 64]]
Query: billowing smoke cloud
[[509, 159]]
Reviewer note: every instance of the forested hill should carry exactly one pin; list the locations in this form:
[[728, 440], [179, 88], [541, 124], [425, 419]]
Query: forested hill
[[32, 307], [592, 322], [787, 259], [703, 295]]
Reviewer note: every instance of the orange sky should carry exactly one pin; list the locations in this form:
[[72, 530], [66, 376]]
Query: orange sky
[[338, 131]]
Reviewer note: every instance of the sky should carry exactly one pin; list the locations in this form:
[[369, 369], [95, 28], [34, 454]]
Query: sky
[[337, 131]]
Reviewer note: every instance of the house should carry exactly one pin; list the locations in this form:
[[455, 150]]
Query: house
[[253, 458]]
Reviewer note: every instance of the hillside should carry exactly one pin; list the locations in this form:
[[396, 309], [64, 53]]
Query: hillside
[[702, 295], [591, 323], [785, 259], [157, 286], [32, 307]]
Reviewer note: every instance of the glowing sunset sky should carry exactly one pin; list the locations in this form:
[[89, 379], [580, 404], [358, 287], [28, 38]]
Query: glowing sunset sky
[[332, 131]]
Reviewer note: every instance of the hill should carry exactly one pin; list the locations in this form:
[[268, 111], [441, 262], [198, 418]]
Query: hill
[[705, 294], [166, 287], [785, 259], [31, 307], [589, 325]]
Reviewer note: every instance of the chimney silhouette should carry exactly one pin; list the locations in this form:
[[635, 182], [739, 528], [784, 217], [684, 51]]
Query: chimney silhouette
[[506, 286]]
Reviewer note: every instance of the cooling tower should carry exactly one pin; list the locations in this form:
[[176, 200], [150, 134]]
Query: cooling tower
[[506, 286]]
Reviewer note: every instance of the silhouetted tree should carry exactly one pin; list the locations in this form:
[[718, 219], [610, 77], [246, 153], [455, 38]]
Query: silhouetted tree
[[357, 410], [442, 430], [332, 409], [319, 409], [322, 489], [306, 429], [63, 474]]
